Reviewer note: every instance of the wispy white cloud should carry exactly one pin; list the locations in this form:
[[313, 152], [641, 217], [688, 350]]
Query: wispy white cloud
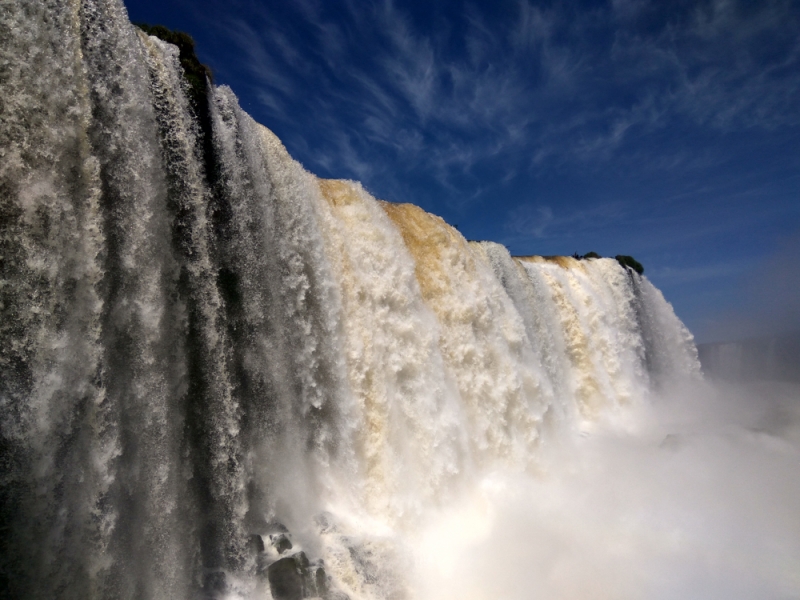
[[531, 220], [259, 60], [538, 88], [627, 127], [541, 221], [533, 28]]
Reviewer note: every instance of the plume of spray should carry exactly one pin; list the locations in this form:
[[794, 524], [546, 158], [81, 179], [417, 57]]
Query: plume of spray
[[203, 345]]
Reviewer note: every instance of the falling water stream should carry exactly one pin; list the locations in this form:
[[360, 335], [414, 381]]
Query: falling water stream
[[207, 353]]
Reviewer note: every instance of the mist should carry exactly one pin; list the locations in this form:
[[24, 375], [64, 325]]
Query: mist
[[221, 373], [695, 496], [769, 299]]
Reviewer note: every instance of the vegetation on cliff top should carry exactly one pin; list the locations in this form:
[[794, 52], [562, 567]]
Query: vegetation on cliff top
[[196, 73], [630, 262], [622, 259], [199, 76]]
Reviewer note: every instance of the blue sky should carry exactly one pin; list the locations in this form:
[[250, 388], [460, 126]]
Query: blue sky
[[665, 130]]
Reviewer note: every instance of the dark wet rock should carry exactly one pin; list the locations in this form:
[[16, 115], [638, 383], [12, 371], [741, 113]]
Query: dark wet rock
[[293, 577], [280, 542], [255, 543], [315, 580], [321, 582], [285, 579], [301, 560]]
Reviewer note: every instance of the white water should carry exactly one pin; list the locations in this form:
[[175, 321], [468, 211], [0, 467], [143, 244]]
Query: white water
[[202, 342]]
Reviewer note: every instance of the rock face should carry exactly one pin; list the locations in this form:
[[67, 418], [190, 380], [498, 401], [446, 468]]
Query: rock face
[[294, 578], [285, 579], [321, 582], [281, 542], [256, 543]]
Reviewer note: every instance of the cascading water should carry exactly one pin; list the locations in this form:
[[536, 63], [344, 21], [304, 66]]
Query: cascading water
[[208, 354]]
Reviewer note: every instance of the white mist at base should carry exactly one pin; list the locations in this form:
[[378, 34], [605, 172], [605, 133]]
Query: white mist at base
[[699, 500], [203, 348]]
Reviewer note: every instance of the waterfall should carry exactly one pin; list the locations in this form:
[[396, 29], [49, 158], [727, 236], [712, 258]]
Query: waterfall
[[208, 354]]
